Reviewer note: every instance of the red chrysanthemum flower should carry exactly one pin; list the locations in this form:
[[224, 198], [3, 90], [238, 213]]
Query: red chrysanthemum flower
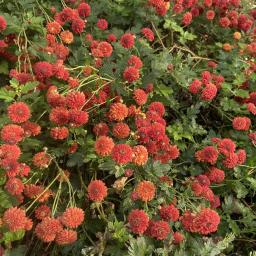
[[101, 129], [157, 107], [67, 14], [195, 86], [78, 117], [140, 155], [75, 100], [18, 112], [178, 8], [15, 219], [241, 154], [53, 27], [241, 123], [135, 61], [127, 40], [122, 153], [208, 154], [187, 18], [48, 229], [138, 221], [206, 221], [9, 152], [215, 175], [230, 161], [224, 22], [121, 130], [73, 82], [97, 190], [118, 111], [11, 166], [41, 160], [43, 70], [226, 146], [23, 170], [105, 49], [203, 180], [72, 217], [140, 96], [209, 92], [3, 24], [148, 33], [14, 186], [61, 52], [77, 25], [196, 188], [43, 211], [67, 37], [131, 74], [215, 203], [251, 108], [178, 237], [145, 190], [206, 77], [102, 24], [65, 237], [12, 134], [31, 129], [207, 194], [169, 213], [84, 10], [112, 38], [59, 133], [159, 229], [104, 145]]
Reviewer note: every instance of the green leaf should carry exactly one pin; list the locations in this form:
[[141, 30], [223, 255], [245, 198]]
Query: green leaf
[[7, 95], [252, 182], [241, 93], [139, 247], [4, 67], [29, 86], [13, 236], [5, 200]]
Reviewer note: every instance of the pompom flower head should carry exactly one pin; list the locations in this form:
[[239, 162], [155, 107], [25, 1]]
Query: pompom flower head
[[145, 190], [15, 219], [12, 134], [104, 145], [122, 154], [65, 237], [97, 190], [118, 112], [72, 217], [138, 221], [18, 112], [127, 40]]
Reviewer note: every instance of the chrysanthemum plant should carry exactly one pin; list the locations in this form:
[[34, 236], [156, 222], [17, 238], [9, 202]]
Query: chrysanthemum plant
[[127, 127]]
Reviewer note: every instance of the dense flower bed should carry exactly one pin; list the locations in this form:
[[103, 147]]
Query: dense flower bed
[[127, 127]]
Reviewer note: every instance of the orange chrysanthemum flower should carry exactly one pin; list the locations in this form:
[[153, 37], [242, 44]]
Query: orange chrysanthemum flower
[[145, 190], [72, 217], [140, 155], [67, 37], [65, 237], [97, 190], [15, 219], [104, 145], [48, 229], [118, 111]]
